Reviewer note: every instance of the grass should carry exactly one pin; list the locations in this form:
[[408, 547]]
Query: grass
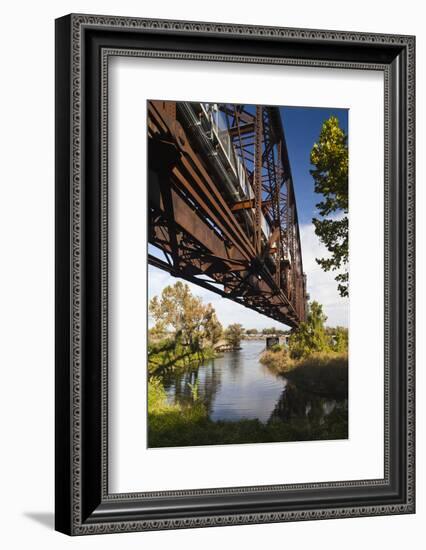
[[277, 359], [191, 426]]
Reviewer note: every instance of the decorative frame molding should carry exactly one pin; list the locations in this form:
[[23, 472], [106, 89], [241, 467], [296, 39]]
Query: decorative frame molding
[[84, 44]]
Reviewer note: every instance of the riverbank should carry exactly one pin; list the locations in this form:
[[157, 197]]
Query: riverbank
[[323, 374], [178, 425], [235, 399]]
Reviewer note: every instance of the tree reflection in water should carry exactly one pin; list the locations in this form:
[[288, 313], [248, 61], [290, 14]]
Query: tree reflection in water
[[236, 386], [208, 381], [295, 403]]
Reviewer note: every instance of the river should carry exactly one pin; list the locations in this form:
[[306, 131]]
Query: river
[[237, 386]]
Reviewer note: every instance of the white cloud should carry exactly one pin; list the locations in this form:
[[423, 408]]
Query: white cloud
[[321, 287]]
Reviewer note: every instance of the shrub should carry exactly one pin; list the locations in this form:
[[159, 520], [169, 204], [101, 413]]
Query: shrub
[[234, 334], [312, 337], [157, 397], [322, 373], [277, 359], [276, 348]]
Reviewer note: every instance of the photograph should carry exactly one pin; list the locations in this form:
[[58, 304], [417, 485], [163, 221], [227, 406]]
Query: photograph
[[234, 274], [248, 273]]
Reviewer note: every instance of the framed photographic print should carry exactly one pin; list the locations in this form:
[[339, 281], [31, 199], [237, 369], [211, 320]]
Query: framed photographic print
[[234, 274]]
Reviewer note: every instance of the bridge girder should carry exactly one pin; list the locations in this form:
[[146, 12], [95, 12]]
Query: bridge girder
[[210, 233]]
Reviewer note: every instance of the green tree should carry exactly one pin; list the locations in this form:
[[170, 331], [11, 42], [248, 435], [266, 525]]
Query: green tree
[[212, 327], [330, 158], [252, 331], [186, 315], [340, 339], [234, 334], [311, 336]]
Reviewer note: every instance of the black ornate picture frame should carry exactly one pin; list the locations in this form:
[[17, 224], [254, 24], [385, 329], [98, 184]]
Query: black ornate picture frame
[[84, 43]]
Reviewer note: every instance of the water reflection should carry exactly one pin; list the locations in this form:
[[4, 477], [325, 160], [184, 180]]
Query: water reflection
[[237, 386], [297, 403]]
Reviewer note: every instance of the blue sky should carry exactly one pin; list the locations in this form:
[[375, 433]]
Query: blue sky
[[302, 126]]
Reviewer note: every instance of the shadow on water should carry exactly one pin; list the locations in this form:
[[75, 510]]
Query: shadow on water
[[295, 403]]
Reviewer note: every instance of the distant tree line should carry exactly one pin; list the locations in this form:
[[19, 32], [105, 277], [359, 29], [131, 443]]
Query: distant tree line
[[266, 331]]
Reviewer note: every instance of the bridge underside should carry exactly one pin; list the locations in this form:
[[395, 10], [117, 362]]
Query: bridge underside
[[209, 234]]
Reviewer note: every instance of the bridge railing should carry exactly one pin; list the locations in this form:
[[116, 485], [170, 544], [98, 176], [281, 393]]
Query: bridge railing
[[217, 123]]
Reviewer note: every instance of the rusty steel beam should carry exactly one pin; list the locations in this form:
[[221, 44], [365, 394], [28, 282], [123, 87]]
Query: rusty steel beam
[[258, 179], [268, 311], [244, 205], [241, 129], [203, 224]]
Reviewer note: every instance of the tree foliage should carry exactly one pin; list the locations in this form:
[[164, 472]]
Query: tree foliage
[[212, 327], [186, 315], [340, 339], [272, 331], [234, 334], [330, 158], [314, 337], [311, 336]]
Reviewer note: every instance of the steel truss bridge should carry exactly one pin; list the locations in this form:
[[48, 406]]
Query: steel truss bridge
[[221, 202]]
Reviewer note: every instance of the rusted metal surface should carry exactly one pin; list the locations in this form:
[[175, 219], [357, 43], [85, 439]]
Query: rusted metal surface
[[222, 208], [257, 187]]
